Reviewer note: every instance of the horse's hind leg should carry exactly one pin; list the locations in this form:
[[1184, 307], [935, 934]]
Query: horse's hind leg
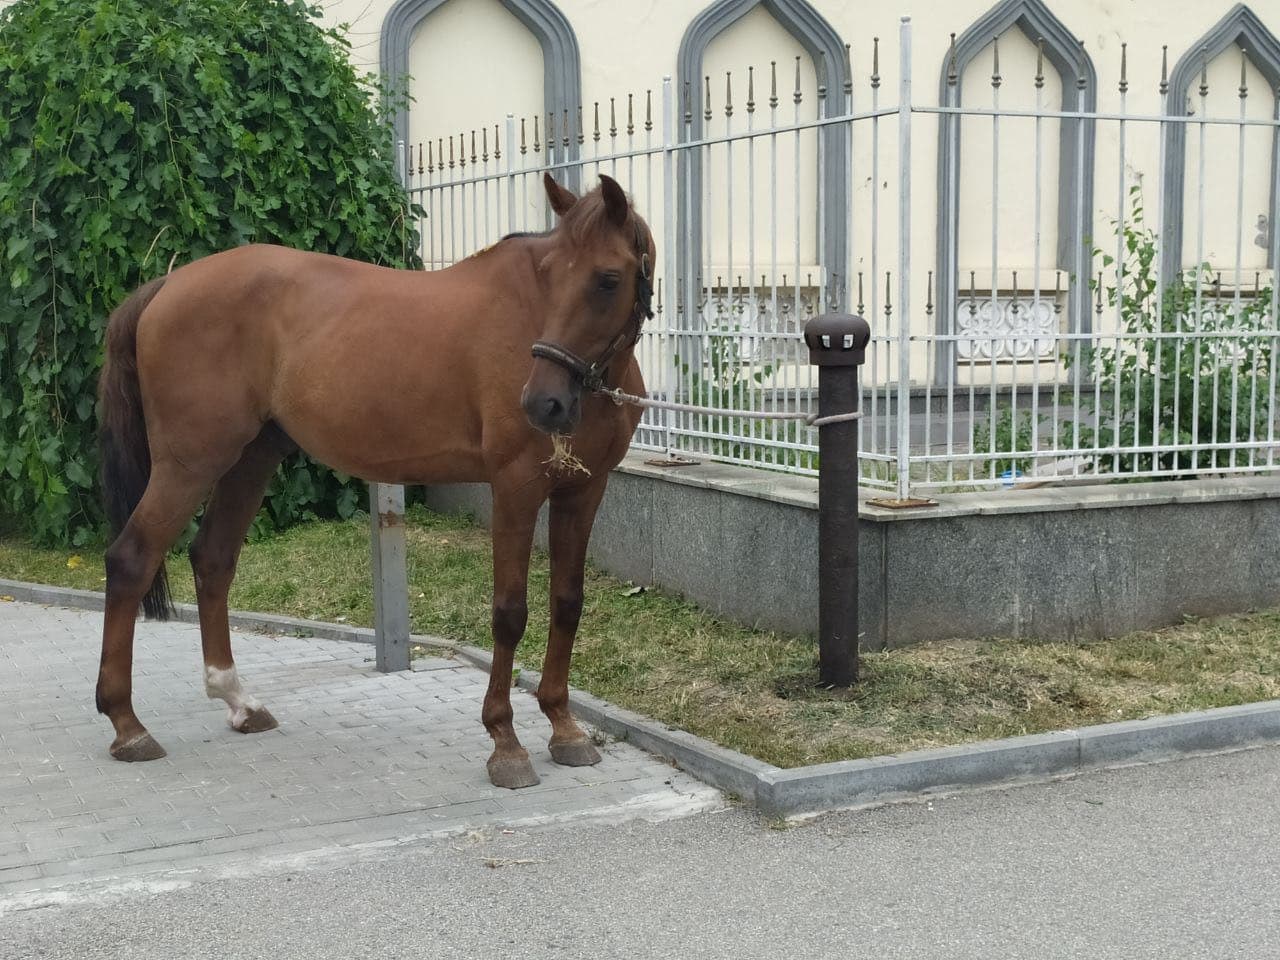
[[572, 515], [132, 560], [214, 554]]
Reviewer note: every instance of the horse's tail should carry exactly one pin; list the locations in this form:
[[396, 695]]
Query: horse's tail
[[122, 438]]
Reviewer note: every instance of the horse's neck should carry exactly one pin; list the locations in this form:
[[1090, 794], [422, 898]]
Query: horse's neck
[[509, 268]]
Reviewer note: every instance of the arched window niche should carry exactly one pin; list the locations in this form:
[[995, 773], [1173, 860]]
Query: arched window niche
[[1065, 55]]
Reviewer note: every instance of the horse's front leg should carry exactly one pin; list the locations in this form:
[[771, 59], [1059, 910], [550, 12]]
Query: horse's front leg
[[513, 523], [572, 514]]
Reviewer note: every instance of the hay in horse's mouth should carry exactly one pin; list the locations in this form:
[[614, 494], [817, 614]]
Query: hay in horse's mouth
[[562, 460]]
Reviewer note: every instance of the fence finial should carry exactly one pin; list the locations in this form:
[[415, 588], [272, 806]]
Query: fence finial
[[450, 152], [631, 115], [706, 98], [773, 84], [751, 89], [1039, 63], [797, 96], [595, 133], [497, 147], [1244, 75], [648, 110], [995, 63], [473, 148], [688, 105], [728, 93], [564, 129], [928, 298], [848, 70], [581, 130], [888, 295], [953, 71], [875, 63], [1164, 69], [1204, 71], [822, 75], [484, 142], [1124, 68], [430, 161], [440, 154], [613, 119], [462, 150], [861, 303], [1081, 80]]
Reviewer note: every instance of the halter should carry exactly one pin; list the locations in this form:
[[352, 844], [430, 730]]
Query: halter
[[592, 375]]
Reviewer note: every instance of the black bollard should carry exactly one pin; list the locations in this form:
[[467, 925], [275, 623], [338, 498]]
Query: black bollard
[[837, 346]]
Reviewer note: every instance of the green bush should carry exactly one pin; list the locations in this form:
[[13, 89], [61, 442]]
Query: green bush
[[1193, 366], [138, 134]]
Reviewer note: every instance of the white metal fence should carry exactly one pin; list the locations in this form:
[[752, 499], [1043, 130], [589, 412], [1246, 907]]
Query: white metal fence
[[771, 204]]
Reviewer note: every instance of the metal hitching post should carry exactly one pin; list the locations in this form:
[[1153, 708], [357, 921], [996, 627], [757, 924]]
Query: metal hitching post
[[837, 346], [390, 579]]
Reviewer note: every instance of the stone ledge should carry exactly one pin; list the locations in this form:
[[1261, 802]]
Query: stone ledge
[[802, 491]]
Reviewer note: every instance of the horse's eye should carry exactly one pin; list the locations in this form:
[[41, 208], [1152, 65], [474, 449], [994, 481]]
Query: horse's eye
[[609, 281]]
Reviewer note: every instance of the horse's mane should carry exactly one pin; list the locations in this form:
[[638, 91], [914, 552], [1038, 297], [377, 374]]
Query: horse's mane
[[586, 220]]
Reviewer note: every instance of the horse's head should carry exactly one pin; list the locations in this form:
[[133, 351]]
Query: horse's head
[[598, 274]]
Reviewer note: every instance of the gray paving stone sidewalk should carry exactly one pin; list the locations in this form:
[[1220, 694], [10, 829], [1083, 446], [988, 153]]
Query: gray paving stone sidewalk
[[360, 757]]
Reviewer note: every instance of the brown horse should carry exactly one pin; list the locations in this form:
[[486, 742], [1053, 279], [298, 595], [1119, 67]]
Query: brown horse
[[217, 371]]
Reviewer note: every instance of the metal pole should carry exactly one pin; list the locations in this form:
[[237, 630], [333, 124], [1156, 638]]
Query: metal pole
[[837, 346], [904, 262], [390, 578], [670, 265], [390, 574], [511, 174]]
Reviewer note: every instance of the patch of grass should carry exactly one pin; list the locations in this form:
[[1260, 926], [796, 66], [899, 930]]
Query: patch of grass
[[751, 690]]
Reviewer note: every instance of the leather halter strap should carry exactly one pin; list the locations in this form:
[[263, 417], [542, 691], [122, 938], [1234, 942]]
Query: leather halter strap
[[592, 373]]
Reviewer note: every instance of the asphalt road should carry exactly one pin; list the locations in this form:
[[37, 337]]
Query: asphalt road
[[1179, 860]]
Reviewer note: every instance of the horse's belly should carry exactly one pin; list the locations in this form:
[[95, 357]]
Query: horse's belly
[[384, 435]]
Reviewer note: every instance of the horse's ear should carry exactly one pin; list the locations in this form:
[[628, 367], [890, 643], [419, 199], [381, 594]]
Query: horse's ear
[[615, 200], [561, 198]]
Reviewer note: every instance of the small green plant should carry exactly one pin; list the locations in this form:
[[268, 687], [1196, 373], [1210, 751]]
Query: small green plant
[[723, 381], [1186, 369], [1010, 438]]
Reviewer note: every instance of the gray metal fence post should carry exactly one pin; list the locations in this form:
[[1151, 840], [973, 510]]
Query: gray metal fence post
[[837, 345], [390, 577]]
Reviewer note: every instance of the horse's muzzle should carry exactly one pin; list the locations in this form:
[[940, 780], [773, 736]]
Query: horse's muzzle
[[553, 412]]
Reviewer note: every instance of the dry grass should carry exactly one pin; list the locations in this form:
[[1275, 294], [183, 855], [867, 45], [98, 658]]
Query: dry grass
[[750, 690]]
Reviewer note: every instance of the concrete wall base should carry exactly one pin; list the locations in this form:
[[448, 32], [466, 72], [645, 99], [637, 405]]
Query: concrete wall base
[[1076, 562]]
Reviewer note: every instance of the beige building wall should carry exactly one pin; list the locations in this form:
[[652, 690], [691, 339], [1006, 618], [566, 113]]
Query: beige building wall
[[474, 62]]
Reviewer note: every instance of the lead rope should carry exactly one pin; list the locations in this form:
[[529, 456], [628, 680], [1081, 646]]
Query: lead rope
[[810, 419]]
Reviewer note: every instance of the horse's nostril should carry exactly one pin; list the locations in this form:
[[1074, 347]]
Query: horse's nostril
[[552, 408]]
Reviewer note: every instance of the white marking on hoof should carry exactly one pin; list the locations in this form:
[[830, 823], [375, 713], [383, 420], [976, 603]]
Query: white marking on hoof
[[225, 685]]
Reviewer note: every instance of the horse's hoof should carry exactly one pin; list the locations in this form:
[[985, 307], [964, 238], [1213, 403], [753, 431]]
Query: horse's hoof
[[254, 720], [575, 753], [137, 748], [512, 772]]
